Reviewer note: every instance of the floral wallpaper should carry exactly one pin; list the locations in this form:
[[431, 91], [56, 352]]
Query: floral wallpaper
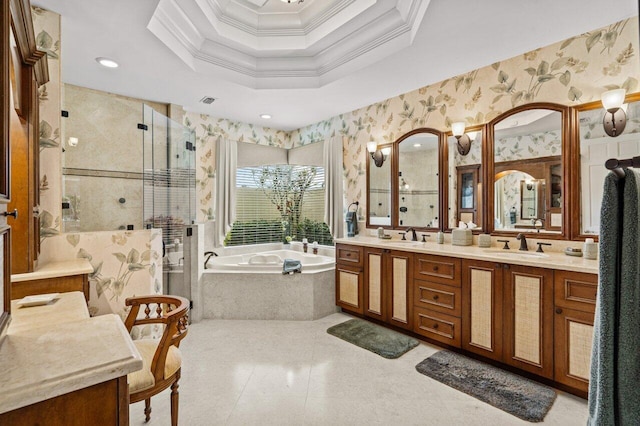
[[544, 144], [125, 264], [207, 130], [47, 29], [571, 72]]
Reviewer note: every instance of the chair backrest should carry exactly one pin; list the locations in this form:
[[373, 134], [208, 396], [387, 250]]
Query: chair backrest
[[172, 312]]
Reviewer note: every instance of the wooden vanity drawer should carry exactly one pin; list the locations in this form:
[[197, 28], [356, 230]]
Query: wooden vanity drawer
[[347, 254], [437, 326], [438, 297], [575, 290], [444, 270]]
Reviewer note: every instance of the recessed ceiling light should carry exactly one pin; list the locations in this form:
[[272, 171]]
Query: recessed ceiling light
[[265, 116], [417, 145], [106, 62]]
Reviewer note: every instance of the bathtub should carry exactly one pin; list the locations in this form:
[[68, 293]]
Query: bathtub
[[250, 285], [270, 262]]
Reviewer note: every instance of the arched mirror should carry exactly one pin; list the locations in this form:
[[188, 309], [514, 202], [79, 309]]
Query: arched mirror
[[418, 179], [528, 146], [379, 202], [465, 181], [595, 148]]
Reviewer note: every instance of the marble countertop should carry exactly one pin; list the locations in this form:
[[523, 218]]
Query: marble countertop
[[549, 260], [56, 269], [44, 359]]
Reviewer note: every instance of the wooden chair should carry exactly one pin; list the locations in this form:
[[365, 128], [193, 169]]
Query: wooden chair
[[161, 358]]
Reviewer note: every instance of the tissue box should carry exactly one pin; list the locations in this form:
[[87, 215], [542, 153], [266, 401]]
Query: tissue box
[[461, 237]]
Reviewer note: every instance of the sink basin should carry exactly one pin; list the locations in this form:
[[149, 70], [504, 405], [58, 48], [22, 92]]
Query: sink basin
[[517, 254]]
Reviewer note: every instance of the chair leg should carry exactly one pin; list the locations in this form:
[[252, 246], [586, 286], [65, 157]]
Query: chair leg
[[174, 403], [147, 409]]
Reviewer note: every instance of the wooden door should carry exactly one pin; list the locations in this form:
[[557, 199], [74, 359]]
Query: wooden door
[[572, 347], [374, 283], [5, 184], [528, 319], [400, 276], [482, 291]]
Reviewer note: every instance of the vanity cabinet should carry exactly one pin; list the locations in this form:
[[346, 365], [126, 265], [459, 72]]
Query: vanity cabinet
[[387, 290], [508, 312], [349, 278], [575, 304], [437, 298]]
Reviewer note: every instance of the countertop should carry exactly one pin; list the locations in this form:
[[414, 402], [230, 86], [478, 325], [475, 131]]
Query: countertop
[[56, 349], [55, 269], [549, 260]]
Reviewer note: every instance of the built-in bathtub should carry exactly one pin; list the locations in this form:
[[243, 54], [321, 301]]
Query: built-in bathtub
[[252, 286]]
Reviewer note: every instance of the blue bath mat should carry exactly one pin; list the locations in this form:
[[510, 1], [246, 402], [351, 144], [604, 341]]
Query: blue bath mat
[[382, 341]]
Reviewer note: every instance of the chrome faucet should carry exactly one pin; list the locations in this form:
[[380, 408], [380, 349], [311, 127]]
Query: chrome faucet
[[523, 242], [414, 236]]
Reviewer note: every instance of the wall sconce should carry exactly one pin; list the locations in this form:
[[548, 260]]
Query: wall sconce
[[529, 184], [615, 119], [378, 155], [464, 140], [403, 184]]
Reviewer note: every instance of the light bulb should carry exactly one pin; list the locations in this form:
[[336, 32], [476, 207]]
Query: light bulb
[[613, 99], [372, 146], [457, 128], [386, 151]]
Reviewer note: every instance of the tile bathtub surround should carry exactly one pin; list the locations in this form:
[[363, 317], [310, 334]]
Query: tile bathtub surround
[[294, 373]]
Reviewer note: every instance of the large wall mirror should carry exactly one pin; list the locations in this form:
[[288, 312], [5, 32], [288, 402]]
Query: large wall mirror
[[528, 185], [403, 182], [418, 179], [595, 148], [465, 181], [379, 184]]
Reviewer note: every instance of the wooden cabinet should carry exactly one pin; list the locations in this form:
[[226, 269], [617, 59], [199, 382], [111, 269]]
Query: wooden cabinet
[[106, 403], [387, 290], [575, 303], [437, 298], [349, 278], [508, 314], [63, 284]]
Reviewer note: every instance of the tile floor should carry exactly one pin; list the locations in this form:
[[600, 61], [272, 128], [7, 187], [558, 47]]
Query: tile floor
[[294, 373]]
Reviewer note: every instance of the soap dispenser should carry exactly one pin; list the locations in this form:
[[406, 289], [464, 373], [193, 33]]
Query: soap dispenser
[[590, 249]]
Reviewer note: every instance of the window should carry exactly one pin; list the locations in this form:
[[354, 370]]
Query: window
[[274, 202]]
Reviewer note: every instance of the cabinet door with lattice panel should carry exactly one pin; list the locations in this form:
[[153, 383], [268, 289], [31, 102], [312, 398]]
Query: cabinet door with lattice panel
[[482, 308], [528, 319], [349, 288]]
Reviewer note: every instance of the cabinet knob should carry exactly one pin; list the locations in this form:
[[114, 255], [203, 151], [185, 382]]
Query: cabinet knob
[[14, 213], [435, 326], [435, 268], [436, 297], [558, 310]]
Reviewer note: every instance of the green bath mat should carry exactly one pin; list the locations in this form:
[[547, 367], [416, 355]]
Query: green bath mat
[[509, 392], [382, 341]]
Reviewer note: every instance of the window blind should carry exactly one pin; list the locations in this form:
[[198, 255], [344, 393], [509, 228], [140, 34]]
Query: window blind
[[268, 207]]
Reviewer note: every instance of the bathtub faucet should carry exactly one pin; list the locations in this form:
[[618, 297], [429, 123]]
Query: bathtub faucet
[[208, 255]]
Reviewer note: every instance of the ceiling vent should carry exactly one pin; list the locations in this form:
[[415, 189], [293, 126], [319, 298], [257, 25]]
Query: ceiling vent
[[207, 100]]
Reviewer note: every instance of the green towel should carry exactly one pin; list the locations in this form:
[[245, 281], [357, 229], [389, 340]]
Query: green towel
[[614, 389]]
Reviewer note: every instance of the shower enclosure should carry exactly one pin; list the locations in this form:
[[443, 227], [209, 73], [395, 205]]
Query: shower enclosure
[[169, 190], [126, 166]]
